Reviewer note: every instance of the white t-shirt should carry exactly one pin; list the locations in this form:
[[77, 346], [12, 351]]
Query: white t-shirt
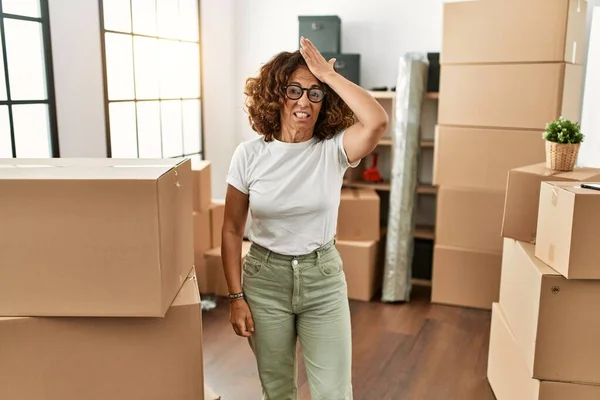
[[294, 191]]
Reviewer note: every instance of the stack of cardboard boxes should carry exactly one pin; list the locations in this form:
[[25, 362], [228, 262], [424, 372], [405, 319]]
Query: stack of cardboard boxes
[[98, 297], [208, 224], [545, 328], [202, 212], [508, 68], [359, 242]]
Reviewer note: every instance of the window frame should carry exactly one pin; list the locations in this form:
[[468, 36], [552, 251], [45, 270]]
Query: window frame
[[44, 21], [135, 100]]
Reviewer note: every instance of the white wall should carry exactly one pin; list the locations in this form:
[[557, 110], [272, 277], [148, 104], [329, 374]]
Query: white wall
[[219, 89], [380, 30], [589, 155], [76, 56]]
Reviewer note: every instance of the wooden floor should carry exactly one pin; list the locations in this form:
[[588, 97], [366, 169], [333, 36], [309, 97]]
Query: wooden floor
[[412, 351]]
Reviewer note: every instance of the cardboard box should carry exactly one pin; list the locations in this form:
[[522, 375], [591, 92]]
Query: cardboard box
[[200, 268], [105, 358], [568, 229], [469, 218], [464, 277], [361, 267], [217, 215], [358, 217], [202, 233], [202, 185], [481, 158], [518, 96], [523, 196], [512, 31], [214, 272], [508, 374], [97, 238], [553, 319]]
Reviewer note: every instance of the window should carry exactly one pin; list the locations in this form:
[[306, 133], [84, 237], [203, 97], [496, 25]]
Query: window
[[27, 105], [152, 77]]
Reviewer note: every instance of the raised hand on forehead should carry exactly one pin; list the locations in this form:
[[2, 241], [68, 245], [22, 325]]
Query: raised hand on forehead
[[317, 64]]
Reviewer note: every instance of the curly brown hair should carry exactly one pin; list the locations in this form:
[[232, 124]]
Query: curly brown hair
[[265, 97]]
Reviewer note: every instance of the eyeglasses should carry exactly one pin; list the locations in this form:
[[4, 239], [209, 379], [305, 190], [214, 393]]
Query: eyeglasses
[[294, 91]]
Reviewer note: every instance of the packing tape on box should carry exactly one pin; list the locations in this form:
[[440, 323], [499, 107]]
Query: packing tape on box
[[551, 252]]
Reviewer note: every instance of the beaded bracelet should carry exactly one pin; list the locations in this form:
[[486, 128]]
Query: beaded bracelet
[[236, 296]]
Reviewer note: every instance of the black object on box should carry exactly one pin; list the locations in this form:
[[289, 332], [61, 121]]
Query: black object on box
[[347, 65], [433, 78], [325, 31]]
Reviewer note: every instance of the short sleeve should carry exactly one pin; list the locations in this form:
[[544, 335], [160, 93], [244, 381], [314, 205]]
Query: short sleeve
[[238, 171], [339, 142]]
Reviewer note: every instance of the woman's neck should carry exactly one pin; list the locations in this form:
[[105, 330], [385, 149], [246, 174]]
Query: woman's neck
[[289, 136]]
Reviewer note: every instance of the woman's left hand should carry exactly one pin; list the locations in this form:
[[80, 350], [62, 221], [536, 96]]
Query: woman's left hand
[[317, 64]]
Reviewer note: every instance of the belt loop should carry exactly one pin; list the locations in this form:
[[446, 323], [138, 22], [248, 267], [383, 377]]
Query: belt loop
[[268, 254]]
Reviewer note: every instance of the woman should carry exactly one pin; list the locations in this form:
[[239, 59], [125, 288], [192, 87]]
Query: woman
[[290, 178]]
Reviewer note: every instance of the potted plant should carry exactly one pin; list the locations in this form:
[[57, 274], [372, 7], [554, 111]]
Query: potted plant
[[563, 139]]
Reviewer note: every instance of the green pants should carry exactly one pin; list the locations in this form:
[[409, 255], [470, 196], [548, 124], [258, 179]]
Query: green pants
[[303, 298]]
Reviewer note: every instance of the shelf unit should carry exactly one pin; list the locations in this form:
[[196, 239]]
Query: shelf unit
[[425, 144], [386, 187], [426, 192], [425, 232], [388, 100], [389, 94]]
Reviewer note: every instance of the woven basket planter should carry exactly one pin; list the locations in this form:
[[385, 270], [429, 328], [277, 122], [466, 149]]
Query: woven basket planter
[[561, 156]]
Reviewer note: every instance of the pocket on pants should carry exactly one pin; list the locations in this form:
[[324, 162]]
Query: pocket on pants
[[252, 267], [333, 266]]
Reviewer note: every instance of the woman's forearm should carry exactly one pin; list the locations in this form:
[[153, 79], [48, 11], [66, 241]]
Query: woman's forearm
[[231, 252], [368, 111]]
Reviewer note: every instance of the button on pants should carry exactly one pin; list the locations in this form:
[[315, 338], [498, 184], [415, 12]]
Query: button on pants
[[300, 298]]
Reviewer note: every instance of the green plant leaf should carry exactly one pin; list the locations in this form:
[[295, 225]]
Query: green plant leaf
[[563, 130]]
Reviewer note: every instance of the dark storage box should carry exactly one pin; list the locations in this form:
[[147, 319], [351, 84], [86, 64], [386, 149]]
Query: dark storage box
[[422, 259], [347, 65], [433, 79], [324, 31]]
